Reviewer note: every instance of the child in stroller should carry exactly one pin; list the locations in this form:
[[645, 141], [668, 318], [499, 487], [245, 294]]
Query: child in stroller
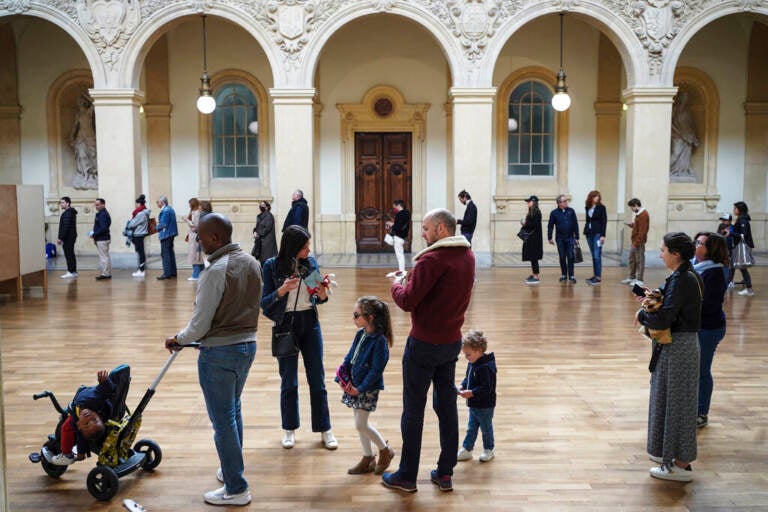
[[84, 422]]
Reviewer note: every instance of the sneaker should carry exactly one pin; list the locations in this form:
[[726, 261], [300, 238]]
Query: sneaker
[[486, 456], [69, 275], [593, 281], [443, 482], [657, 460], [138, 273], [730, 286], [672, 472], [220, 475], [747, 292], [464, 454], [193, 278], [329, 441], [628, 281], [572, 280], [103, 276], [61, 459], [702, 421], [221, 497], [393, 481], [562, 279], [289, 439], [532, 280]]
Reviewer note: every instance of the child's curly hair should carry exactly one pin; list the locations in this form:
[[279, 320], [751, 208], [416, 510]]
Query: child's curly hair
[[475, 339]]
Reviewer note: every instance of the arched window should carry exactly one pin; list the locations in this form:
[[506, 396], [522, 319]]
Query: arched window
[[531, 134], [235, 133]]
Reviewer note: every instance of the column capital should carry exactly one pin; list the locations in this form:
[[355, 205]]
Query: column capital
[[292, 96], [117, 97], [472, 94], [157, 109], [648, 95], [756, 108], [10, 111], [608, 108]]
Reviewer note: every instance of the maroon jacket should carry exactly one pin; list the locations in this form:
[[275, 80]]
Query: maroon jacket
[[437, 290]]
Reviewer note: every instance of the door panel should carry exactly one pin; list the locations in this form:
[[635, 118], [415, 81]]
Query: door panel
[[382, 175]]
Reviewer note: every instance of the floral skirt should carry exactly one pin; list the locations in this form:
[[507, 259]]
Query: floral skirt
[[365, 401]]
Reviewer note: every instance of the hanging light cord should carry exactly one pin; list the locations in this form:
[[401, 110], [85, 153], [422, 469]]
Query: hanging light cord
[[562, 17], [205, 63]]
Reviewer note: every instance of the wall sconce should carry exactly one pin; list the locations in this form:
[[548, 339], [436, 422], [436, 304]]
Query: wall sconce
[[206, 104], [561, 101]]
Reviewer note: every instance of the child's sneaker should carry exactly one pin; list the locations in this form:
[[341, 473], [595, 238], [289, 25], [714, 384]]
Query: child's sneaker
[[464, 454], [61, 460], [673, 472], [486, 455]]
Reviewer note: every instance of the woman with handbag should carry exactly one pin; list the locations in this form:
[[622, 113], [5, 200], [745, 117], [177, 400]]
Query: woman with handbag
[[742, 234], [675, 374], [195, 254], [533, 240], [286, 300], [594, 230], [711, 264]]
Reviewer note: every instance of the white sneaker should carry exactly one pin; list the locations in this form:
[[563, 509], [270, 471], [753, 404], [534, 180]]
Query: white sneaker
[[220, 475], [289, 439], [69, 275], [638, 283], [60, 460], [329, 441], [746, 292], [220, 497], [464, 454], [486, 456], [192, 278], [627, 281], [672, 472], [138, 273]]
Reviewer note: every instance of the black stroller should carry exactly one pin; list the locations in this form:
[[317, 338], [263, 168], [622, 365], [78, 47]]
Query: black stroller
[[116, 457]]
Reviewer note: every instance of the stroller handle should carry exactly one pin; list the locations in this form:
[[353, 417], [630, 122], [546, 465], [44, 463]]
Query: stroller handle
[[47, 394]]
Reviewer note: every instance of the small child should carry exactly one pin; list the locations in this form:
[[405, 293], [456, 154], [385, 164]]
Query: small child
[[361, 376], [84, 423], [479, 388]]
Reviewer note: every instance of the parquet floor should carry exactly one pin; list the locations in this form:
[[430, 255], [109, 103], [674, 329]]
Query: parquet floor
[[570, 424]]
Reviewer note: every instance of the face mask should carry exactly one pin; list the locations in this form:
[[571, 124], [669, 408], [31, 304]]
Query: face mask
[[263, 208]]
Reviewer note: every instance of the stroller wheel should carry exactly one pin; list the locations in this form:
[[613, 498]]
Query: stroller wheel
[[103, 483], [152, 453]]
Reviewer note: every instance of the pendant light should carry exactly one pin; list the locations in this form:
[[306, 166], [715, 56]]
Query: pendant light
[[561, 101], [206, 104]]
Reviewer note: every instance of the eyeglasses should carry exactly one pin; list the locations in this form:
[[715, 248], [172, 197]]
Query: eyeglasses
[[699, 243], [356, 315]]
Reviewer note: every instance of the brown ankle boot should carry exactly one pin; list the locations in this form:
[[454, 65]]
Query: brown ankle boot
[[386, 455], [366, 465]]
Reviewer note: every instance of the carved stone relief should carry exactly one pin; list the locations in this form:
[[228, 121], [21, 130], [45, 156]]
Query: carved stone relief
[[109, 24], [15, 6]]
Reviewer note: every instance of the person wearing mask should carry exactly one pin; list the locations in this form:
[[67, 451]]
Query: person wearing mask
[[264, 241], [533, 245]]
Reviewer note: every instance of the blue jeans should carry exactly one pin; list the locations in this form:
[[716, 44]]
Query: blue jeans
[[468, 236], [425, 364], [597, 254], [708, 341], [168, 255], [565, 251], [482, 419], [196, 269], [307, 330], [222, 372]]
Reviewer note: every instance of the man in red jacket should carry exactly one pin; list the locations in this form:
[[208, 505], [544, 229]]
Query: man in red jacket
[[437, 294]]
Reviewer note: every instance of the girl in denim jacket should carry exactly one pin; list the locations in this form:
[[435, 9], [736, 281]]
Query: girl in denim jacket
[[361, 376]]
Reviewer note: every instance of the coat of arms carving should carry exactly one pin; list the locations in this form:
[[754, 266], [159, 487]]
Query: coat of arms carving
[[656, 27], [474, 22], [109, 24]]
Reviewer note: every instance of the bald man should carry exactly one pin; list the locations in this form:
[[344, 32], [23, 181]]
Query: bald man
[[224, 321]]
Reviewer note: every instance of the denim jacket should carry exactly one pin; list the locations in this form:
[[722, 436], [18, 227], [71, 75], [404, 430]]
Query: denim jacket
[[368, 370], [273, 306]]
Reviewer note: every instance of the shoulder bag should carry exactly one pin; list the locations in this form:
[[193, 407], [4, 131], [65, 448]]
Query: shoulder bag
[[284, 341], [523, 234], [742, 255], [152, 226], [578, 256]]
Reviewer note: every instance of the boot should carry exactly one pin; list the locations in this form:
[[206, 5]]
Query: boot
[[386, 455], [366, 465]]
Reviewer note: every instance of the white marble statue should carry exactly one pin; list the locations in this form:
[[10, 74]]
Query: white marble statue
[[684, 140], [83, 141]]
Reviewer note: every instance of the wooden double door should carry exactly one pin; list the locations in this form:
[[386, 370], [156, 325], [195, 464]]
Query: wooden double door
[[382, 176]]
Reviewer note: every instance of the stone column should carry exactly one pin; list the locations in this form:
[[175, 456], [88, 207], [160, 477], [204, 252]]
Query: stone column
[[649, 128], [293, 151], [118, 149], [10, 144], [472, 159], [157, 111]]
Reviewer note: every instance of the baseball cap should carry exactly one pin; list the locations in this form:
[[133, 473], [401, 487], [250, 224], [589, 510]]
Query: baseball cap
[[725, 216], [532, 198]]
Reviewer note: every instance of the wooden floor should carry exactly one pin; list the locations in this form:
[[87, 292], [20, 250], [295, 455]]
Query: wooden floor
[[570, 423]]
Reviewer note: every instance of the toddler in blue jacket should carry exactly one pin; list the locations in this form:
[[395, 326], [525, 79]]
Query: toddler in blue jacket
[[479, 389]]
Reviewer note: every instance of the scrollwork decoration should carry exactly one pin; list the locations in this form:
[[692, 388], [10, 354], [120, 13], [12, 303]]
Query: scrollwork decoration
[[109, 24]]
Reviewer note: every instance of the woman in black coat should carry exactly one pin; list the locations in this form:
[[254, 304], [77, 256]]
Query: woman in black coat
[[594, 230], [264, 241], [742, 232], [533, 245]]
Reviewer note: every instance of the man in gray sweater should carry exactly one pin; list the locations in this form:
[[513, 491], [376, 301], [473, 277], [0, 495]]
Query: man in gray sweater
[[224, 321]]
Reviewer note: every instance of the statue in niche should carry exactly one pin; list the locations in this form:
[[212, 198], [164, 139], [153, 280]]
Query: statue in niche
[[684, 140], [83, 141]]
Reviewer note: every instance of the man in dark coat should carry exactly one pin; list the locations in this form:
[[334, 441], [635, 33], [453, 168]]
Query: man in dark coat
[[298, 215], [68, 235], [563, 220], [469, 221]]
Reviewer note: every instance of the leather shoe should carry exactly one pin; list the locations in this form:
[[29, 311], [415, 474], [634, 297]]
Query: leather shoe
[[160, 278]]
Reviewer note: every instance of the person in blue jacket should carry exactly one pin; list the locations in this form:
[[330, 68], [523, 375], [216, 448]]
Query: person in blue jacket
[[361, 376], [167, 231], [286, 299]]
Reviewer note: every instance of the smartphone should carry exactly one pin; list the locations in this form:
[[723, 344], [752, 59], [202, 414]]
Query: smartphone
[[638, 290]]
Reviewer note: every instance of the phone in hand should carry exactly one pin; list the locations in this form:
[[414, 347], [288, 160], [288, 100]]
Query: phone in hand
[[638, 290]]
